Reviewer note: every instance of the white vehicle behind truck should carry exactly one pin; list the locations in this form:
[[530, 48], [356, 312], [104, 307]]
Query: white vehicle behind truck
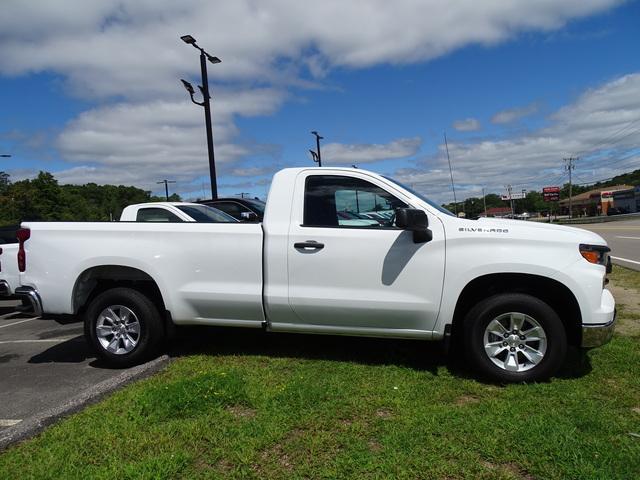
[[9, 278], [514, 294], [174, 212]]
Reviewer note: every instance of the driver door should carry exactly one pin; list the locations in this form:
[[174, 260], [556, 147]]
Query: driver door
[[359, 277]]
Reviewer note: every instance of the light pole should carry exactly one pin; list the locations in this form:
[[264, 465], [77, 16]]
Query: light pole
[[317, 157], [204, 89], [166, 187]]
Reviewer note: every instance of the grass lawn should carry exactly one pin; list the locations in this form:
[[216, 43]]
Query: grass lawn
[[252, 405]]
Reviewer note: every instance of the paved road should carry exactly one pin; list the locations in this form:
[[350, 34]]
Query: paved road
[[44, 363], [624, 239]]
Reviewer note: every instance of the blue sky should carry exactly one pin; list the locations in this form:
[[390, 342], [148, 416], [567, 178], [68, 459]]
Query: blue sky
[[516, 86]]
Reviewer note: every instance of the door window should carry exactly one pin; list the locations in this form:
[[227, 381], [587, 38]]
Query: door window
[[338, 201], [156, 215], [232, 208]]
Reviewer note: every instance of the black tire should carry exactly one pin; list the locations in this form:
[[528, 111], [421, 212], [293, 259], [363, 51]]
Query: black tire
[[151, 328], [478, 319]]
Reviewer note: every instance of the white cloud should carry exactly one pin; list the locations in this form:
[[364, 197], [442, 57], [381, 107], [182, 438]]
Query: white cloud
[[467, 125], [131, 47], [513, 114], [338, 153], [139, 141], [602, 127], [129, 51]]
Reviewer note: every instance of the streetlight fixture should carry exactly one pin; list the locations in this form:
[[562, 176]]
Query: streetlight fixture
[[204, 89], [5, 155], [317, 157]]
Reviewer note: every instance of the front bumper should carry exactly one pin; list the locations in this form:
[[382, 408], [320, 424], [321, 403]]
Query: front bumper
[[599, 334]]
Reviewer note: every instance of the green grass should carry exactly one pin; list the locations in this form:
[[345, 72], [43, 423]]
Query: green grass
[[250, 405], [626, 277]]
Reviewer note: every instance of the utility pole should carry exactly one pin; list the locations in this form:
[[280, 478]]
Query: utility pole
[[509, 190], [569, 166], [484, 202], [242, 194], [317, 157], [455, 202], [166, 187]]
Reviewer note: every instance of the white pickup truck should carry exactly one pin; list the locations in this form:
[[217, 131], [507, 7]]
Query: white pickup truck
[[513, 294]]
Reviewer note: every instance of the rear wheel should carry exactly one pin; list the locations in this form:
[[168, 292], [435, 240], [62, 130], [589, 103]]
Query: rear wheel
[[124, 327], [515, 337]]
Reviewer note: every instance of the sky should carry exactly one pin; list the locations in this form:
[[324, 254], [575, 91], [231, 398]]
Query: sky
[[91, 91]]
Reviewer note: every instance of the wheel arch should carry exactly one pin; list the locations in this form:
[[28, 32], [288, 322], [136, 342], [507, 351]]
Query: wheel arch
[[97, 279], [557, 295]]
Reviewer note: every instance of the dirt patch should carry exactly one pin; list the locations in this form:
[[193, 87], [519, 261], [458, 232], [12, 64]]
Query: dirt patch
[[224, 466], [510, 469], [375, 446], [466, 400], [628, 301], [636, 410], [276, 453], [384, 413], [240, 411]]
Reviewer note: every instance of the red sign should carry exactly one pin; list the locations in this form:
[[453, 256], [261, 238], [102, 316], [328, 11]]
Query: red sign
[[551, 194]]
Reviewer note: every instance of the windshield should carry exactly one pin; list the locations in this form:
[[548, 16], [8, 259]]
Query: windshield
[[204, 214], [421, 197]]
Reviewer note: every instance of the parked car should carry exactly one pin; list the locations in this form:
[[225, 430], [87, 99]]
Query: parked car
[[8, 269], [243, 209], [9, 278], [173, 212], [513, 294]]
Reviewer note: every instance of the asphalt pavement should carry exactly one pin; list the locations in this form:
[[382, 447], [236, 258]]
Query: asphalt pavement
[[624, 239], [47, 370]]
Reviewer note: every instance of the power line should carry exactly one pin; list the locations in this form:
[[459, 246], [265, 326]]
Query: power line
[[455, 202], [611, 137], [612, 161]]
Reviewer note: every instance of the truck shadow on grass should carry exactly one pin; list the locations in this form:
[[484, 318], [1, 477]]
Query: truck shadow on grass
[[220, 341], [415, 354]]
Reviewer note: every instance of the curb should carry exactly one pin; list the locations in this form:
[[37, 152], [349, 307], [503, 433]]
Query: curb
[[34, 425]]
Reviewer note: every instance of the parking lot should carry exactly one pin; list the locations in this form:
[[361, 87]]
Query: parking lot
[[45, 367]]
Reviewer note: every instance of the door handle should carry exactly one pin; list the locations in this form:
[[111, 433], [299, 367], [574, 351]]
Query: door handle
[[309, 244]]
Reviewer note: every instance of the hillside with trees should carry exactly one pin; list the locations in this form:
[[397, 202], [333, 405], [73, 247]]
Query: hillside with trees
[[44, 199]]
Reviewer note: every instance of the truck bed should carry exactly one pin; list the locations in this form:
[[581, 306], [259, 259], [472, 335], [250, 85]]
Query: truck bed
[[206, 273]]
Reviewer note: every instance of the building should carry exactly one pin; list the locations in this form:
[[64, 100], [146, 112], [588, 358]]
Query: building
[[498, 212], [600, 201]]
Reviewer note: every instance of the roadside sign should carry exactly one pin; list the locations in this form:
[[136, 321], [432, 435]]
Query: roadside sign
[[514, 196], [551, 194]]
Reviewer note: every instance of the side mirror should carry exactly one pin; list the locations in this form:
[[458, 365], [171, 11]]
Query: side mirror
[[249, 217], [415, 221]]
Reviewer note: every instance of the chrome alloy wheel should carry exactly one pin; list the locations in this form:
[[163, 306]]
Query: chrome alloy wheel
[[515, 342], [118, 329]]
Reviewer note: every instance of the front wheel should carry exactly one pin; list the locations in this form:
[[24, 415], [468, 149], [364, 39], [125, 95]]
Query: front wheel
[[123, 326], [515, 337]]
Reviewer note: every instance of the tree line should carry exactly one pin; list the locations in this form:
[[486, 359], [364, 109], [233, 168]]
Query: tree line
[[534, 202], [44, 199]]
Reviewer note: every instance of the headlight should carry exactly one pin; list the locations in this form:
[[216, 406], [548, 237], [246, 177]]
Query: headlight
[[598, 254]]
